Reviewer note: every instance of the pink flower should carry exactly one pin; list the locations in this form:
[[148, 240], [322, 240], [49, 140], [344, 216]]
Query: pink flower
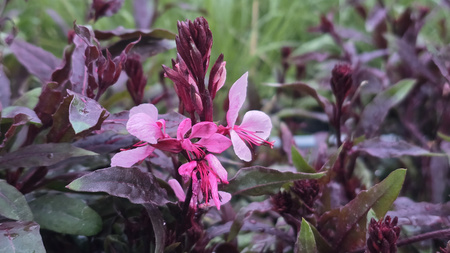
[[144, 124], [255, 126], [210, 171], [207, 133]]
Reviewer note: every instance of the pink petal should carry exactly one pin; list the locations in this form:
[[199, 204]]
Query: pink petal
[[130, 157], [183, 128], [217, 167], [148, 109], [186, 169], [214, 191], [144, 127], [237, 95], [203, 129], [240, 148], [217, 143], [220, 79], [257, 122], [225, 197], [176, 187]]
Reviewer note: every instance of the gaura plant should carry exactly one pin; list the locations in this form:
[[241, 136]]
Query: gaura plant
[[166, 174]]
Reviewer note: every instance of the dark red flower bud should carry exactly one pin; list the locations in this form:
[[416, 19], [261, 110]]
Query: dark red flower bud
[[136, 83], [282, 202], [383, 235], [307, 191], [341, 82]]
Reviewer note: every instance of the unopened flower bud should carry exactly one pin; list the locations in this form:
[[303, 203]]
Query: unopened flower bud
[[383, 235], [282, 202], [341, 82], [307, 190]]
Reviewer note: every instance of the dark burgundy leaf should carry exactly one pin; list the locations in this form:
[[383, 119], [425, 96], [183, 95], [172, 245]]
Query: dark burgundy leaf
[[424, 214], [134, 34], [105, 8], [62, 74], [106, 142], [376, 111], [147, 47], [5, 88], [48, 102], [116, 122], [158, 223], [61, 129], [131, 183], [41, 155], [173, 120], [442, 64], [35, 59], [144, 12], [79, 75], [407, 53], [385, 149]]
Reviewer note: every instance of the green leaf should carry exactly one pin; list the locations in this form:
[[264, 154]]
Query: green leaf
[[29, 99], [300, 164], [258, 180], [375, 112], [65, 215], [351, 219], [20, 237], [131, 183], [305, 241], [41, 155], [13, 204]]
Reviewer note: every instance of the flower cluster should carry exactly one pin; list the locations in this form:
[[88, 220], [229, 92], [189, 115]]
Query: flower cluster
[[197, 138]]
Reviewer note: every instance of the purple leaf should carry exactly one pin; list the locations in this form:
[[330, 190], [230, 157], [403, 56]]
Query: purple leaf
[[375, 112], [85, 113], [48, 103], [173, 120], [131, 183], [306, 89], [22, 236], [424, 214], [258, 180], [378, 147], [158, 224], [105, 142], [79, 75], [35, 59], [5, 88], [134, 34], [376, 16], [104, 8], [144, 12], [350, 220], [41, 155], [12, 111]]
